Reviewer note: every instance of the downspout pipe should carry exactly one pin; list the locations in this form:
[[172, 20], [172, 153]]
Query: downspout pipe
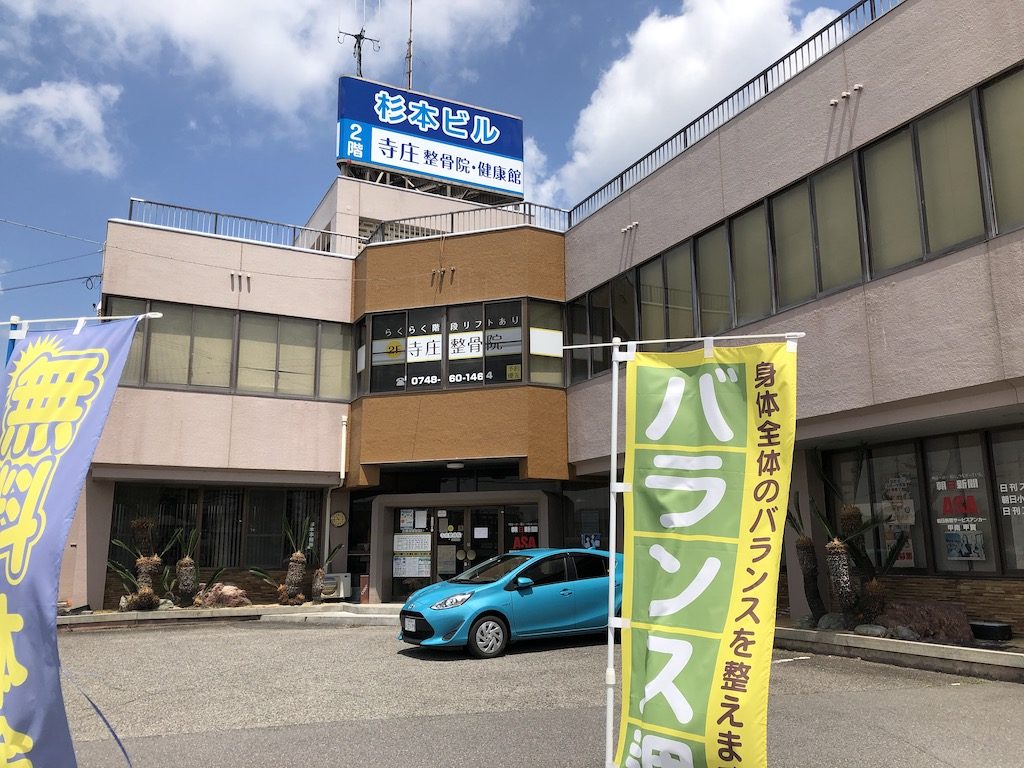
[[342, 464]]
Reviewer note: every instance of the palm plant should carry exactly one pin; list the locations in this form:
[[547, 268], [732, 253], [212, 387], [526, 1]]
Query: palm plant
[[322, 564], [186, 569], [807, 557], [289, 593], [147, 566]]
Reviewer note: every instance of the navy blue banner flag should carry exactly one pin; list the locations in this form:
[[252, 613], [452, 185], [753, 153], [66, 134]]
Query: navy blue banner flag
[[59, 386]]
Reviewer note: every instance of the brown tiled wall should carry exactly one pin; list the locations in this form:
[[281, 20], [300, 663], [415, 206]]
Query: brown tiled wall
[[996, 599]]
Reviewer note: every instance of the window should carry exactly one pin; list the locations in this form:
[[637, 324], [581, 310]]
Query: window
[[213, 332], [590, 566], [424, 348], [335, 361], [230, 351], [387, 355], [579, 361], [296, 374], [835, 215], [713, 282], [169, 339], [503, 350], [623, 298], [222, 528], [1008, 462], [132, 373], [679, 291], [895, 493], [600, 328], [794, 248], [651, 281], [1003, 107], [466, 345], [546, 339], [894, 227], [958, 504], [949, 176], [753, 284], [550, 571]]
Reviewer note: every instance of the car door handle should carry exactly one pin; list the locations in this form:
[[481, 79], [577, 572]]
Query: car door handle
[[565, 592]]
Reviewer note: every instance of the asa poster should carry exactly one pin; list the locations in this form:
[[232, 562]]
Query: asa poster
[[709, 444], [58, 390]]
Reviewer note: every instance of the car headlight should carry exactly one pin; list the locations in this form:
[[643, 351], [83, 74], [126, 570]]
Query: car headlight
[[452, 602]]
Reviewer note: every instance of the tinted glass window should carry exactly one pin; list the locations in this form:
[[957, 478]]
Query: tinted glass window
[[550, 571], [590, 566]]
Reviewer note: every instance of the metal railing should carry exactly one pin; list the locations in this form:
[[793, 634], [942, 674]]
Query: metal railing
[[472, 220], [814, 48], [241, 227]]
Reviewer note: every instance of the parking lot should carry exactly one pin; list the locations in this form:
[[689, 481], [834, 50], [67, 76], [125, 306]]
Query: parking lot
[[268, 695]]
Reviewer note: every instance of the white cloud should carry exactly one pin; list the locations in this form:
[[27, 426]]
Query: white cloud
[[676, 66], [278, 56], [66, 120]]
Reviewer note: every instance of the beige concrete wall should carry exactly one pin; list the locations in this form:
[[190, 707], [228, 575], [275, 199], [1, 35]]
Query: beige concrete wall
[[151, 262], [360, 199], [914, 58], [163, 428], [921, 346]]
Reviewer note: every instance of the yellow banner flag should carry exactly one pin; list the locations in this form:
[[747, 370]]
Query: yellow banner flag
[[709, 447]]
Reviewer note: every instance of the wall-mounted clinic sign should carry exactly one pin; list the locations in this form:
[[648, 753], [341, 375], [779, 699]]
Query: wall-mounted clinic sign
[[387, 127]]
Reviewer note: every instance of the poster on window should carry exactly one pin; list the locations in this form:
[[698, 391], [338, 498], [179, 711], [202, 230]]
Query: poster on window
[[411, 566], [965, 545], [891, 533]]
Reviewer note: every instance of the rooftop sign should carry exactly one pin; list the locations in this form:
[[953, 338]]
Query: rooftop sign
[[386, 127]]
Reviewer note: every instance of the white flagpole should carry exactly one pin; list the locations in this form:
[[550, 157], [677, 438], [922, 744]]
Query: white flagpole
[[613, 477], [615, 488]]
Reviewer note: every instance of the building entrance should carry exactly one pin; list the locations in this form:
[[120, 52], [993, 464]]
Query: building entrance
[[437, 543]]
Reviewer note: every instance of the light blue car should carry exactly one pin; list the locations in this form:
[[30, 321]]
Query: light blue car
[[523, 593]]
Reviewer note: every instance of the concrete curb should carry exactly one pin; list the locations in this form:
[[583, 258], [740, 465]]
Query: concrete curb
[[986, 663], [342, 618], [248, 613]]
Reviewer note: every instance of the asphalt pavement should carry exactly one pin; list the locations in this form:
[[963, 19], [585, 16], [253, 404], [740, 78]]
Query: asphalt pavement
[[254, 695]]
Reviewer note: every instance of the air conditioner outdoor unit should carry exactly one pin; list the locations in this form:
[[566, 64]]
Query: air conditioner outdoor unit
[[337, 586]]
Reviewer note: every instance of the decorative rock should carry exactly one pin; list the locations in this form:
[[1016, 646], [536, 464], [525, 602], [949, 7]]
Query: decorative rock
[[806, 622], [832, 621], [906, 633], [123, 605], [165, 605], [870, 630]]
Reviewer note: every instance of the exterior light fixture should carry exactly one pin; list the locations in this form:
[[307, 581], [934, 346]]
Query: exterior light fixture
[[455, 465]]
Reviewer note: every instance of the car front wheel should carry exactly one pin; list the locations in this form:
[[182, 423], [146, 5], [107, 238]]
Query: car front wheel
[[488, 637]]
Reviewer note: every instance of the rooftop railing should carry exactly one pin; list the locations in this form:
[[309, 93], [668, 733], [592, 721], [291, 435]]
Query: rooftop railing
[[472, 220], [817, 46], [241, 227]]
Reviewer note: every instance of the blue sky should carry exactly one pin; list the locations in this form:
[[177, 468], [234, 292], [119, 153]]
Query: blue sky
[[230, 105]]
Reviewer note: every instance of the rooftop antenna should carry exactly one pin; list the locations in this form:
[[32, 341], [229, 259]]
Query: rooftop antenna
[[408, 52], [360, 37]]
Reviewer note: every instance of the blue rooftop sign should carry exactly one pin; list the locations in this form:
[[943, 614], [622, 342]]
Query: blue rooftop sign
[[422, 135]]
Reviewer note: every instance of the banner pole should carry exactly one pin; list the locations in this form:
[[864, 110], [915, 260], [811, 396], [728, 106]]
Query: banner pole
[[613, 477], [10, 338]]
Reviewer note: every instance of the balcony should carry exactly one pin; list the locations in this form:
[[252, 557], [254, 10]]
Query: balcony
[[242, 228]]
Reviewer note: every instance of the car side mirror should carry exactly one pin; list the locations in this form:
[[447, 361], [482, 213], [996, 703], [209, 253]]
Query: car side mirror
[[523, 582]]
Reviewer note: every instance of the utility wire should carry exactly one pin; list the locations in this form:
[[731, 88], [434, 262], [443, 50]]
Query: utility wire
[[49, 231], [48, 263], [86, 279]]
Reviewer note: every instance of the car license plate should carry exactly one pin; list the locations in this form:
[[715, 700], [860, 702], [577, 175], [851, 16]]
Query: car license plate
[[410, 625]]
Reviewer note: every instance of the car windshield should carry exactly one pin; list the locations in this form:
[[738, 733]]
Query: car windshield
[[491, 570]]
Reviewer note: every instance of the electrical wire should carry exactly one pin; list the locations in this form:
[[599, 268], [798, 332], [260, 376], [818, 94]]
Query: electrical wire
[[87, 280], [48, 263]]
